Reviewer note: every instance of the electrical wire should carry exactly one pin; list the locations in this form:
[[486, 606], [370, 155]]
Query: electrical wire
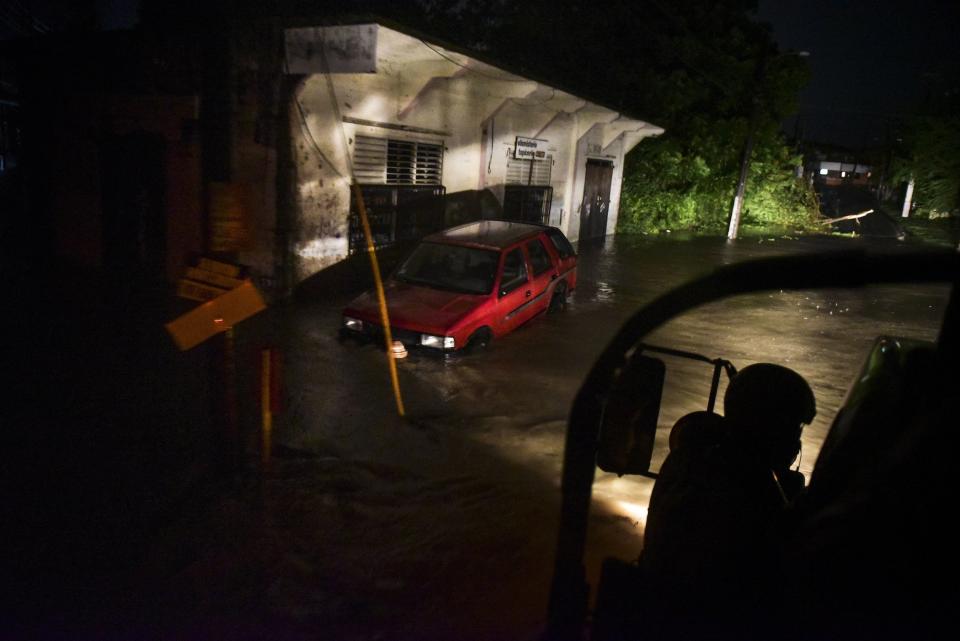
[[305, 126], [553, 94], [470, 69], [553, 91]]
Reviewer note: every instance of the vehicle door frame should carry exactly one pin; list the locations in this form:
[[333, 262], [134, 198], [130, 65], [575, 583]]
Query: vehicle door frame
[[541, 285], [512, 305], [566, 266]]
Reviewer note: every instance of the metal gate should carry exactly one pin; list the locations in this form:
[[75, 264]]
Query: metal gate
[[529, 204], [396, 213]]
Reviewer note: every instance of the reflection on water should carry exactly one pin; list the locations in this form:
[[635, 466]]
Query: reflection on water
[[491, 415], [603, 292], [532, 375]]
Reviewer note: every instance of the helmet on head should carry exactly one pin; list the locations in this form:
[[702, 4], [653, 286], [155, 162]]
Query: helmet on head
[[769, 392], [768, 404]]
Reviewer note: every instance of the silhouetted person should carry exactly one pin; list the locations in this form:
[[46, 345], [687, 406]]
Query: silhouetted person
[[711, 557]]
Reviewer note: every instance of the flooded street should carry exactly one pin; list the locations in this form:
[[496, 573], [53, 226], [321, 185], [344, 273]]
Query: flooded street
[[443, 524]]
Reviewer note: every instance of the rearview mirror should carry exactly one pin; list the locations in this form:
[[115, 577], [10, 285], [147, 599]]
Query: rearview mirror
[[628, 426]]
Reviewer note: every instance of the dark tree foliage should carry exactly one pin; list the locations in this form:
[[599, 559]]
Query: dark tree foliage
[[932, 149], [694, 67]]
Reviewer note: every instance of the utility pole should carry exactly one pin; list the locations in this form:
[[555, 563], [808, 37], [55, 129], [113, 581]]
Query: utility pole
[[755, 111], [734, 226], [907, 200]]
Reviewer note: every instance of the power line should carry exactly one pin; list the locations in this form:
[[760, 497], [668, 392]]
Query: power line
[[306, 128], [553, 91], [470, 69]]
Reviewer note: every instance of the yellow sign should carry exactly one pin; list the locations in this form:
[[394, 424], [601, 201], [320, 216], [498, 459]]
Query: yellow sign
[[212, 278], [198, 291], [216, 316], [225, 269]]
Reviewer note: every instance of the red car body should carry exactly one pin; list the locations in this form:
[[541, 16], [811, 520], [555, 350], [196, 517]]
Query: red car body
[[471, 283]]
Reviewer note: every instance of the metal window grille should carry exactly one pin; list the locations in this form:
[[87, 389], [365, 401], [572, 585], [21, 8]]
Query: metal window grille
[[527, 203], [526, 172], [370, 160], [386, 161]]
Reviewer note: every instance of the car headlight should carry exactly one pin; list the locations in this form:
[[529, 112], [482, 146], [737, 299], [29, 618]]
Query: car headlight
[[438, 342], [353, 323]]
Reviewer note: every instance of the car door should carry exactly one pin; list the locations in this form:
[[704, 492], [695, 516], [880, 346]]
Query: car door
[[513, 290], [543, 272]]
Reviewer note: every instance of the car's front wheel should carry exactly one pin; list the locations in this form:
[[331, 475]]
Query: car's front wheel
[[480, 339]]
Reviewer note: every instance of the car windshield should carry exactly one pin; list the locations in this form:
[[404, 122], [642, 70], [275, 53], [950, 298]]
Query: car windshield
[[451, 267]]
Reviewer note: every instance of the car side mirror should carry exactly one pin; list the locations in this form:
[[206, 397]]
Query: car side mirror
[[628, 426]]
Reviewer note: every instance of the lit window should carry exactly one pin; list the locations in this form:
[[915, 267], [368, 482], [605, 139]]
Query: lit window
[[843, 174], [824, 172]]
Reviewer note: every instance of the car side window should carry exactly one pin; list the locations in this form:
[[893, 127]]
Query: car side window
[[560, 242], [514, 272], [539, 258]]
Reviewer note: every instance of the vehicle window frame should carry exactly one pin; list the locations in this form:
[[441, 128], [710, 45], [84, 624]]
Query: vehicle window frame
[[398, 274], [563, 252], [504, 289], [546, 252]]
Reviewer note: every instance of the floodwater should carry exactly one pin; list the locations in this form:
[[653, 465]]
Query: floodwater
[[442, 525]]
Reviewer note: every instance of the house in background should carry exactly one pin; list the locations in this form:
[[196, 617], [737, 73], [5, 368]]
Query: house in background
[[835, 173], [832, 166], [408, 119], [242, 140]]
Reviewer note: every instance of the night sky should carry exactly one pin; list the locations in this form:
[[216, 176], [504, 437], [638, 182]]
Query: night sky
[[869, 59]]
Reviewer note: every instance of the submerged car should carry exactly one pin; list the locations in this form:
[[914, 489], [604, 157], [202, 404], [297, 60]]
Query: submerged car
[[466, 285]]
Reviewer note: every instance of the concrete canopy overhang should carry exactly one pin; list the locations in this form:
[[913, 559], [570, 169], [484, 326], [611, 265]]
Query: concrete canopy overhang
[[422, 67], [630, 130]]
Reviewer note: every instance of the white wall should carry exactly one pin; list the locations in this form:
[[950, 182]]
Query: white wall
[[416, 88]]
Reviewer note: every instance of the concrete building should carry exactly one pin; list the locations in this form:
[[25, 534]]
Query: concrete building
[[408, 119], [164, 144], [834, 173]]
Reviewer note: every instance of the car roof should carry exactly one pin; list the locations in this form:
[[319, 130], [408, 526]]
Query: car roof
[[490, 234]]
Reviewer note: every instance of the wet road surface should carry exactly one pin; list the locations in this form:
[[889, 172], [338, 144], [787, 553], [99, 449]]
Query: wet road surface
[[442, 525], [836, 202]]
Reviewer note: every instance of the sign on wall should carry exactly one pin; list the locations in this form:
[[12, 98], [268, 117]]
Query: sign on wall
[[209, 279], [530, 148], [216, 315], [228, 297], [341, 49]]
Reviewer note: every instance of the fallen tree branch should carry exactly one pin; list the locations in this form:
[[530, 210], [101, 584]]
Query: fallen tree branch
[[830, 221]]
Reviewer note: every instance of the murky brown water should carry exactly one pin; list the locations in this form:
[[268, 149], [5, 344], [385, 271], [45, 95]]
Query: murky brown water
[[457, 506]]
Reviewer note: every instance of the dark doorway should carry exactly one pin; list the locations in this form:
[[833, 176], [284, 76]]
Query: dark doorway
[[132, 185], [596, 199]]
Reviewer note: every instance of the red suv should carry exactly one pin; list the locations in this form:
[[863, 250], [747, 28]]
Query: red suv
[[463, 286]]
